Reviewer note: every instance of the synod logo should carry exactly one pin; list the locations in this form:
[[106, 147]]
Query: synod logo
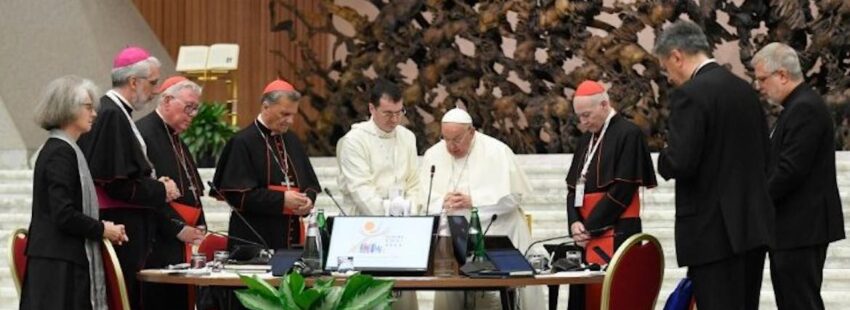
[[370, 228]]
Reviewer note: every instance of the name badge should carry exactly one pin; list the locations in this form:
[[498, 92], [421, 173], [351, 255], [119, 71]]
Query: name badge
[[579, 199]]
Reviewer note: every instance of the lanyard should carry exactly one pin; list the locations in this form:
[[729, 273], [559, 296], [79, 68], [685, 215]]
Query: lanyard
[[594, 146]]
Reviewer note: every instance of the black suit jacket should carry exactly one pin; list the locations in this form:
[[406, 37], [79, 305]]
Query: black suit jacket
[[717, 152], [802, 181], [58, 228]]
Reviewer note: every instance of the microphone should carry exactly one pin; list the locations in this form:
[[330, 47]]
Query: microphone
[[327, 191], [430, 186], [492, 219], [233, 210], [213, 232], [592, 231]]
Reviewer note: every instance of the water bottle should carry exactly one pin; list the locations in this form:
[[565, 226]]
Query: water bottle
[[476, 236], [445, 264], [312, 256]]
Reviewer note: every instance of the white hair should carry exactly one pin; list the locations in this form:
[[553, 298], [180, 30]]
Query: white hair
[[175, 89], [141, 69], [598, 98], [61, 100], [775, 56]]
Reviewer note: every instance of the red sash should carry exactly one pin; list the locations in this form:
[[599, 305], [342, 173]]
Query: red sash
[[286, 211], [107, 202], [606, 240], [593, 292], [189, 214]]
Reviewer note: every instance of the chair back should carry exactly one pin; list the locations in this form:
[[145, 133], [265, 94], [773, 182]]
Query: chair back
[[212, 243], [634, 276], [17, 257], [116, 289]]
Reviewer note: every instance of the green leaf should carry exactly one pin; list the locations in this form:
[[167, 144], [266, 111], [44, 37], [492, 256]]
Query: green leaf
[[375, 295], [355, 285], [307, 299], [323, 284], [254, 301], [295, 282], [331, 299], [285, 292], [259, 286]]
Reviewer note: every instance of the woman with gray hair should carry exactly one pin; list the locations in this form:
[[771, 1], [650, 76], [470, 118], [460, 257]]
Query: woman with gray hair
[[64, 268]]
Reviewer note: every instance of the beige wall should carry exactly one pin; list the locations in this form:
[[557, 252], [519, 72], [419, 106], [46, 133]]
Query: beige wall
[[46, 39]]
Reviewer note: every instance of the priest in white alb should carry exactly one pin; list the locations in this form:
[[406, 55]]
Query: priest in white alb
[[472, 169], [378, 164]]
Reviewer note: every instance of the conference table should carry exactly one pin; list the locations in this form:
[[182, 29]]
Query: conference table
[[425, 283]]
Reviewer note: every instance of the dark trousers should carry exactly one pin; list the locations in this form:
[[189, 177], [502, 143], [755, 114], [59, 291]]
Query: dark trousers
[[797, 275], [139, 225], [730, 284]]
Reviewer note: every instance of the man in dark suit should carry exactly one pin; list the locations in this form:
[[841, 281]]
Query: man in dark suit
[[717, 150], [801, 179]]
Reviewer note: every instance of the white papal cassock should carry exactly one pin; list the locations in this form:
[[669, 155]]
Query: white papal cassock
[[493, 179]]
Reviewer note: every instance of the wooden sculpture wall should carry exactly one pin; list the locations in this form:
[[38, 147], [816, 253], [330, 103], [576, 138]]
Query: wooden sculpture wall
[[522, 96]]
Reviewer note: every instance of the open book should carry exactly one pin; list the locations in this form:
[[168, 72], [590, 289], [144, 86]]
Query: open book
[[216, 57]]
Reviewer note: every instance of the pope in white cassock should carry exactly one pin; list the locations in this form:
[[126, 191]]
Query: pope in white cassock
[[378, 161], [475, 170]]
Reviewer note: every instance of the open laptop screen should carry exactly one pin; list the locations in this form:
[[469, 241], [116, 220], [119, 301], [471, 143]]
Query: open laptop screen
[[377, 243]]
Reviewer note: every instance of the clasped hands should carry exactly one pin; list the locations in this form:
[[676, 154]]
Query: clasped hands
[[457, 200], [171, 190], [580, 234], [299, 203], [114, 233]]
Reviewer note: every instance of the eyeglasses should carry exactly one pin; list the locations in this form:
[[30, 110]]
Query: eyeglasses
[[189, 109], [389, 114]]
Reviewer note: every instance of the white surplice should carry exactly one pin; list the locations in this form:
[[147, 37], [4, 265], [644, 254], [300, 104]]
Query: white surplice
[[372, 161]]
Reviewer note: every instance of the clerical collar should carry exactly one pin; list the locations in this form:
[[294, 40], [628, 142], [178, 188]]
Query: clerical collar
[[262, 126], [703, 64], [124, 102], [380, 132], [168, 129]]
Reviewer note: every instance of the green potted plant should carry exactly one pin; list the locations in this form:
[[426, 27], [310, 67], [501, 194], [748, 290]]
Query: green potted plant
[[358, 292], [208, 133]]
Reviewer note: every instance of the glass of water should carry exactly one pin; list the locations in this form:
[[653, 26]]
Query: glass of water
[[574, 257], [344, 263]]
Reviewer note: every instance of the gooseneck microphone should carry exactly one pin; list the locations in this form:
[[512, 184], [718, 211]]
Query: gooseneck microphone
[[430, 186], [234, 211], [217, 233], [492, 219], [592, 231], [328, 192]]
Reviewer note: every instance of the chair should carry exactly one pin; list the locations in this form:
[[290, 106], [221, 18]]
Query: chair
[[17, 257], [116, 289], [212, 243], [633, 279]]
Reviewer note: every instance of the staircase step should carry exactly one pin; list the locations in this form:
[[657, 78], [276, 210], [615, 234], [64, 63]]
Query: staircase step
[[546, 205]]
